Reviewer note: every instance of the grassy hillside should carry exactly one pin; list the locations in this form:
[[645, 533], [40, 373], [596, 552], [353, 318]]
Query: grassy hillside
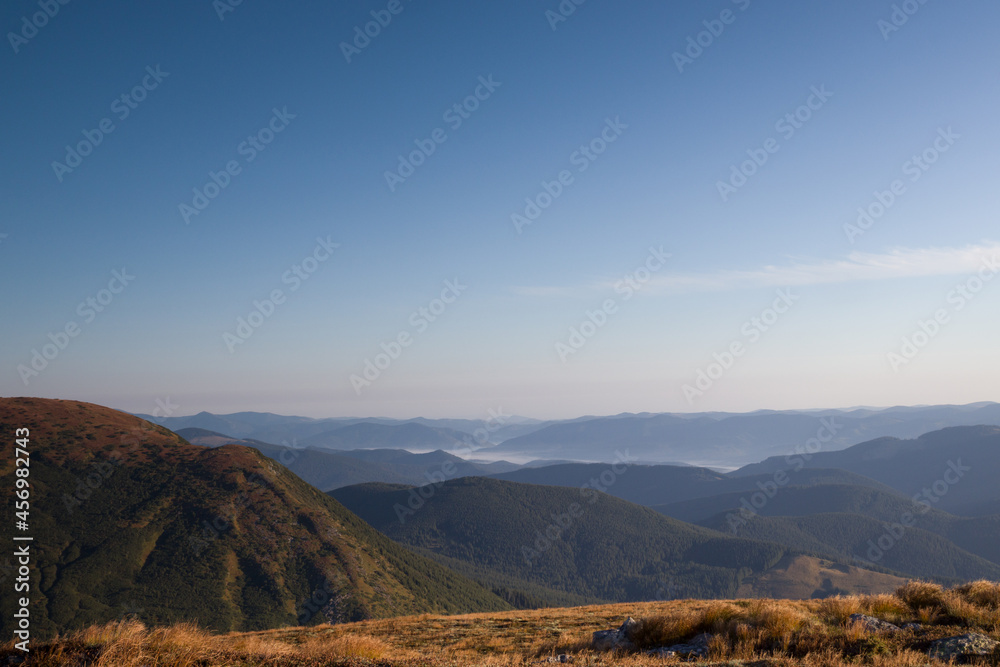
[[741, 632], [588, 544], [127, 517]]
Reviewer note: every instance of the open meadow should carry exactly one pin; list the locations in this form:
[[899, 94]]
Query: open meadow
[[735, 632]]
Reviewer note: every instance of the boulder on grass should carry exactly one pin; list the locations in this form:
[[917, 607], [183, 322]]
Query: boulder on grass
[[696, 648], [609, 640], [872, 624], [963, 647]]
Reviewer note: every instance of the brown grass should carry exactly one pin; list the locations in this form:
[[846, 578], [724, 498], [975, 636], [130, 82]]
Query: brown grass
[[778, 633], [922, 594], [975, 605], [981, 593], [740, 631], [344, 647], [886, 607]]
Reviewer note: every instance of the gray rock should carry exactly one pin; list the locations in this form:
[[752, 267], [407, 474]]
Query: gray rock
[[963, 646], [696, 648], [662, 652], [872, 624], [912, 626], [604, 640], [609, 640]]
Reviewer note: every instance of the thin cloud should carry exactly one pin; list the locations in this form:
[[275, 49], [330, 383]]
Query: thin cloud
[[553, 291], [855, 267]]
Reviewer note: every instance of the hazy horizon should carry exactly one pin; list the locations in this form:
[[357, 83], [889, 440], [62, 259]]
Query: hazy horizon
[[175, 411]]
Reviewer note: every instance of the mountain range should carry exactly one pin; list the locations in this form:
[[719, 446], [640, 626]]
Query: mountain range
[[711, 439], [724, 440], [131, 519]]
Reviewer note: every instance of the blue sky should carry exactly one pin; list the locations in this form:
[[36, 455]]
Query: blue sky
[[885, 96]]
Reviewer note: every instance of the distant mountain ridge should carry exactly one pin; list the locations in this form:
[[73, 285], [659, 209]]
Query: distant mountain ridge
[[368, 435], [735, 439], [954, 469], [703, 439], [269, 427], [329, 469]]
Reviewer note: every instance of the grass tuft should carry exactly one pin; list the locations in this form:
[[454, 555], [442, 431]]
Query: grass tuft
[[922, 595]]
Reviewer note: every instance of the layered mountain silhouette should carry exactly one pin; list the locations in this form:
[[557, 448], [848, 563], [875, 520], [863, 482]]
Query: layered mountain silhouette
[[726, 439], [716, 439], [360, 432]]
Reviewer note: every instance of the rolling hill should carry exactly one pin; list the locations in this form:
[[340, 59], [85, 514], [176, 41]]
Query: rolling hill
[[544, 539], [127, 517]]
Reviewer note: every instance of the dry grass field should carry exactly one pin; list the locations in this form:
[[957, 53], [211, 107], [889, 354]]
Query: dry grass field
[[744, 632]]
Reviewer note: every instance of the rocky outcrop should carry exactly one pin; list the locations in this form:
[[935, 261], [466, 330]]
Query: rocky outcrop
[[621, 639], [962, 647], [610, 640], [872, 624], [696, 648]]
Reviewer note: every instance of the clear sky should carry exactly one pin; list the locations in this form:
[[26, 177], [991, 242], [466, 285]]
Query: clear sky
[[688, 161]]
